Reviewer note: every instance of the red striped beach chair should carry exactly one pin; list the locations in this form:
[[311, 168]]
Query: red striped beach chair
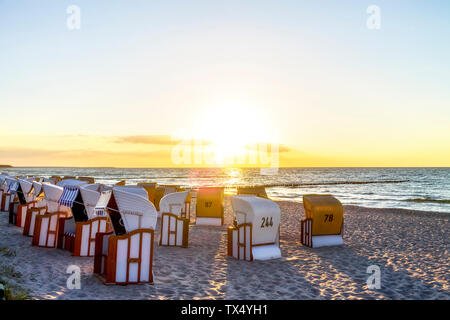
[[125, 255], [174, 223]]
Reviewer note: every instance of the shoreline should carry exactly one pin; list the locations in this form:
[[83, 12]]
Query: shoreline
[[410, 247]]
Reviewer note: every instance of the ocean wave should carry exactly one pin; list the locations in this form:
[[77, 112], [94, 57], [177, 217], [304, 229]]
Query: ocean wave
[[421, 200], [296, 185]]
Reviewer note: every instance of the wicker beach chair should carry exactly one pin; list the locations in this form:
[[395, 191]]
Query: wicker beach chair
[[53, 179], [125, 255], [46, 226], [209, 207], [150, 187], [77, 233], [134, 189], [324, 223], [39, 208], [3, 176], [11, 198], [174, 223], [26, 201], [6, 196], [89, 180], [3, 190], [255, 190], [255, 233], [161, 191], [121, 183]]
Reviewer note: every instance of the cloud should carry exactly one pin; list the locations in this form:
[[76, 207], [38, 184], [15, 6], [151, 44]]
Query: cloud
[[148, 139]]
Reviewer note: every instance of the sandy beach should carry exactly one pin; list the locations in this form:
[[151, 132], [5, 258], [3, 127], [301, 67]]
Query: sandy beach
[[410, 247]]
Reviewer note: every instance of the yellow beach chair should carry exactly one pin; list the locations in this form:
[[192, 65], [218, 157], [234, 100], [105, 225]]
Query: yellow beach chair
[[209, 208], [256, 190], [324, 221]]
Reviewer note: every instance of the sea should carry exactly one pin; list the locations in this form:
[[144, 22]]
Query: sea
[[426, 189]]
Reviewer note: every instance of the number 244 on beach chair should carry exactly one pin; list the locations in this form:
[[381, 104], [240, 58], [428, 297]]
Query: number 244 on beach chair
[[255, 235], [324, 221], [125, 256]]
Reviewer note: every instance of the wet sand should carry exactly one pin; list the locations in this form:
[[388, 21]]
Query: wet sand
[[410, 247]]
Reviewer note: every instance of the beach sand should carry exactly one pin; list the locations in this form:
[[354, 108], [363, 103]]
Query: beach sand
[[410, 247]]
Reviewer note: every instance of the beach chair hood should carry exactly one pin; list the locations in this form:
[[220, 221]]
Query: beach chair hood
[[12, 185], [133, 189], [71, 198], [52, 193], [26, 188], [136, 210], [127, 211], [90, 195], [262, 213], [70, 182], [173, 202]]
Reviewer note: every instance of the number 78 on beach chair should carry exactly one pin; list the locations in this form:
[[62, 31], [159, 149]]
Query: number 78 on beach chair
[[324, 221]]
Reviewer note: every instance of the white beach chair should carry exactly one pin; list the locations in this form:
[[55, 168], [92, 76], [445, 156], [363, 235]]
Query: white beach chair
[[3, 176], [11, 200], [125, 256], [3, 189], [138, 190], [8, 195], [160, 192], [253, 190], [46, 225], [174, 224], [77, 233], [324, 223], [255, 235], [26, 201], [150, 187], [39, 208]]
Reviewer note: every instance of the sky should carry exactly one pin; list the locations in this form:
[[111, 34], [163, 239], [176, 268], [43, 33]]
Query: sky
[[145, 83]]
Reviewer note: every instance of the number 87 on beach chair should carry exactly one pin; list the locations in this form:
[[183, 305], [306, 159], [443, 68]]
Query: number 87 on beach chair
[[255, 234], [125, 256], [324, 221], [209, 207]]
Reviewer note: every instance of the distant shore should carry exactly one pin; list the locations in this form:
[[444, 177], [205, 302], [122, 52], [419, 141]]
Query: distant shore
[[410, 247]]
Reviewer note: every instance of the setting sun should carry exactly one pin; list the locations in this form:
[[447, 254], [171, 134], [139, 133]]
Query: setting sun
[[231, 145]]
